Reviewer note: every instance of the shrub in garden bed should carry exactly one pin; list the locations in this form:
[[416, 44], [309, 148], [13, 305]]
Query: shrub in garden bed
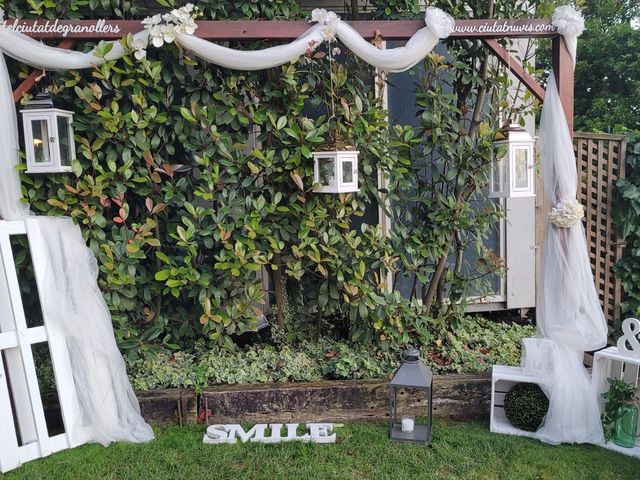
[[477, 345], [525, 405], [193, 187], [186, 217]]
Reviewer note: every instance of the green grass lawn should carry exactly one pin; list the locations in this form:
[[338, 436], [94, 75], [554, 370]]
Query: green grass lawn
[[460, 450]]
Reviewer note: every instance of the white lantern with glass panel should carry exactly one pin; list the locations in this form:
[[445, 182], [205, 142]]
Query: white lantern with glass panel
[[48, 136], [512, 174], [336, 171]]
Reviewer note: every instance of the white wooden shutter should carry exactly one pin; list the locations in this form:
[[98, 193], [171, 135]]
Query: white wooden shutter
[[23, 429]]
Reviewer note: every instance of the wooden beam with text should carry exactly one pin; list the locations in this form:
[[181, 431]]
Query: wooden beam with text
[[488, 30], [281, 30]]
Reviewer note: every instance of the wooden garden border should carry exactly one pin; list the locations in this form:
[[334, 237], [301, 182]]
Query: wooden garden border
[[456, 396], [488, 30]]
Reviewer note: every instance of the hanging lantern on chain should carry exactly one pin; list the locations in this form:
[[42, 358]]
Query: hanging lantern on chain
[[335, 163], [48, 136], [335, 170], [512, 174]]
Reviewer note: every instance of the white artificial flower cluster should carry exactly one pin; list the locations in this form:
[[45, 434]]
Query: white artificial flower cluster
[[568, 21], [566, 213], [329, 20], [1, 15], [165, 28], [139, 46]]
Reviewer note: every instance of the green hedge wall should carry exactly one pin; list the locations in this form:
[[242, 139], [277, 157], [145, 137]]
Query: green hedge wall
[[192, 182]]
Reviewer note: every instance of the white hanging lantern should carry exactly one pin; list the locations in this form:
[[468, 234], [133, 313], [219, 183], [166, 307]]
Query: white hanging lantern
[[512, 174], [48, 136], [336, 171]]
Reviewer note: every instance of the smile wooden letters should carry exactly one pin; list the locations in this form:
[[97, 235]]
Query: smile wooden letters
[[317, 433]]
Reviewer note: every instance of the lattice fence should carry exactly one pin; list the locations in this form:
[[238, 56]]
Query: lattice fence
[[600, 164]]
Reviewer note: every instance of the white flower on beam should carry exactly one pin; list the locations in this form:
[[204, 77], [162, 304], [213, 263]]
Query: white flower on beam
[[566, 213], [329, 20], [568, 21], [169, 33], [190, 26], [166, 27], [319, 15], [331, 17], [329, 33], [150, 21]]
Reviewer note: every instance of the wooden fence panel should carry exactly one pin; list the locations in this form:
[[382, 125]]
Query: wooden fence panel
[[601, 160]]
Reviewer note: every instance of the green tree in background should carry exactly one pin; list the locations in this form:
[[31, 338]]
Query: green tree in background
[[607, 85]]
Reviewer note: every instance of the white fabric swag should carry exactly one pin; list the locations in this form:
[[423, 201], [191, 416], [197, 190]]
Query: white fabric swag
[[439, 25], [109, 410]]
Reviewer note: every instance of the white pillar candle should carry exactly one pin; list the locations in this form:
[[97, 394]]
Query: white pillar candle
[[407, 425]]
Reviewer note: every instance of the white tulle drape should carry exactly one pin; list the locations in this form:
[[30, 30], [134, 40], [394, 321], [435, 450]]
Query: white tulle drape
[[74, 307], [10, 192], [251, 59], [70, 294], [568, 311], [438, 25]]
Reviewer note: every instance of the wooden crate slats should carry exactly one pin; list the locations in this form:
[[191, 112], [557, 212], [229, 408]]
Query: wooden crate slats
[[600, 162]]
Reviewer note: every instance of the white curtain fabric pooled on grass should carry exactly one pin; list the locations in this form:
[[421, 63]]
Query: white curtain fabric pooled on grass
[[568, 311], [71, 298]]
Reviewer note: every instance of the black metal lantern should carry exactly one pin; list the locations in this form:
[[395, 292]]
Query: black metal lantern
[[412, 378], [48, 136]]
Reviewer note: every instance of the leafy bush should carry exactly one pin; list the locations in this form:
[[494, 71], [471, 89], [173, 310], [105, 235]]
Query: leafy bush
[[193, 183], [619, 394], [525, 405], [482, 344], [627, 219]]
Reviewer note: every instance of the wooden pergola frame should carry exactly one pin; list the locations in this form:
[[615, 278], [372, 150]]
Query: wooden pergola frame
[[385, 29]]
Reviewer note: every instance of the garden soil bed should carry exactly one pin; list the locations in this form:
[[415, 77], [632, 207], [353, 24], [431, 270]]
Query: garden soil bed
[[455, 396]]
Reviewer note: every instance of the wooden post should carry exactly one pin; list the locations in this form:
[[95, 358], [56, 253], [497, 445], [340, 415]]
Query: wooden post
[[516, 68], [563, 68]]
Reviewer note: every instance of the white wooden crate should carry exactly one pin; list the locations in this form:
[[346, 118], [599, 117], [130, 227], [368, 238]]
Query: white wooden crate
[[610, 363], [502, 379], [23, 429]]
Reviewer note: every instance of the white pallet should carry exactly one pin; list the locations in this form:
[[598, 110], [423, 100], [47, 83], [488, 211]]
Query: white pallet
[[631, 452], [16, 341], [502, 379], [611, 363]]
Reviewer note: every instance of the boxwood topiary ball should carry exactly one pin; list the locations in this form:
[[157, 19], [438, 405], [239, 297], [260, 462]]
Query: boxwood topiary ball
[[525, 405]]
